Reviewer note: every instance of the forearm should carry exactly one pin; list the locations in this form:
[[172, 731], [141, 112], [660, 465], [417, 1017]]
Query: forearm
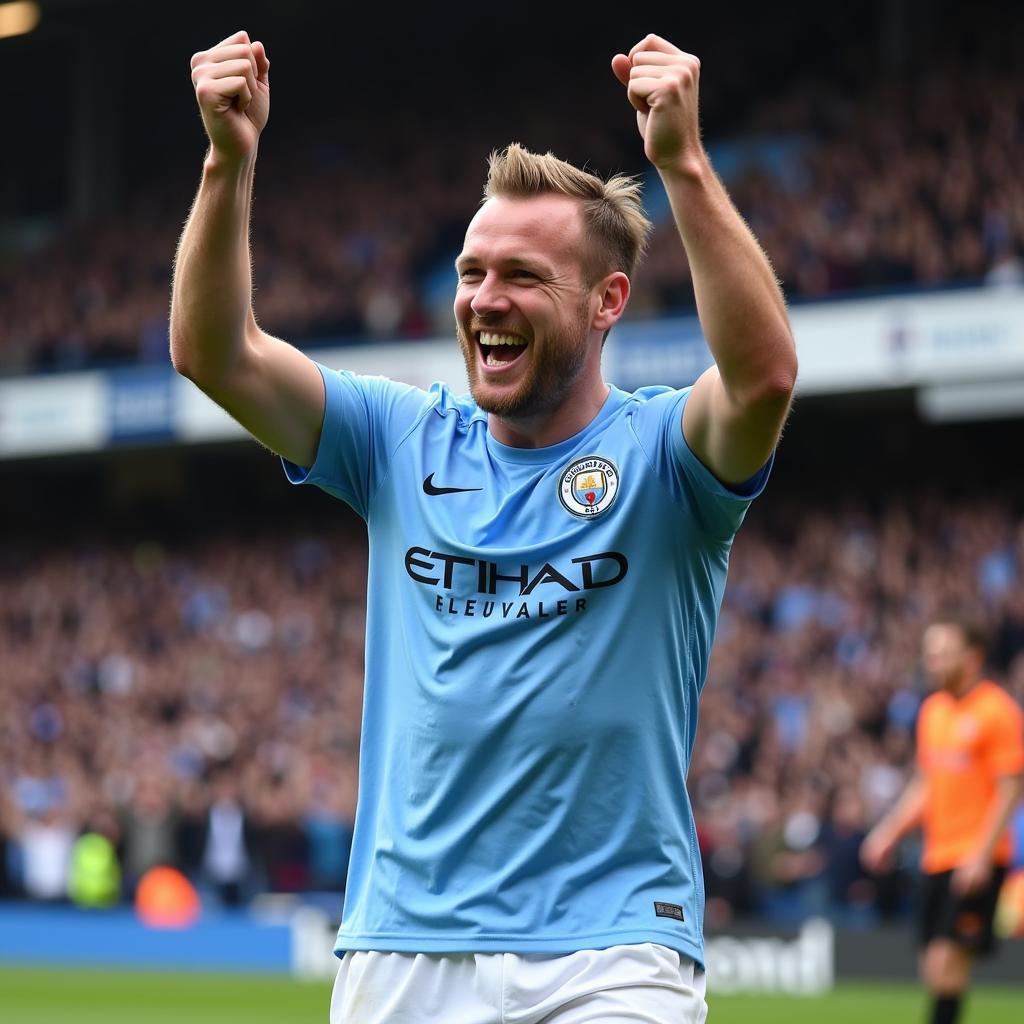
[[739, 302], [211, 299], [907, 814]]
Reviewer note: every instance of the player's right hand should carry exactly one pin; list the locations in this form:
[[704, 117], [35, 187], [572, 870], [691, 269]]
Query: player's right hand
[[877, 852], [232, 86]]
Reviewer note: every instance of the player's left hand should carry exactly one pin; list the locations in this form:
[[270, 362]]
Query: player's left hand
[[661, 83], [972, 876]]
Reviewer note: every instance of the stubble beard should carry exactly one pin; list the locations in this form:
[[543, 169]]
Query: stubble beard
[[951, 680], [554, 368]]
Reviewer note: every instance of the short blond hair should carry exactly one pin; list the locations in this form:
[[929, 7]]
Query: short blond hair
[[613, 214]]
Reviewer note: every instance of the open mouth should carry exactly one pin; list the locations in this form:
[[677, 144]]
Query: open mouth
[[499, 350]]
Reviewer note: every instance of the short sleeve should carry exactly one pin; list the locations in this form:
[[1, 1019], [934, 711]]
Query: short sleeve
[[365, 420], [1004, 752], [717, 508]]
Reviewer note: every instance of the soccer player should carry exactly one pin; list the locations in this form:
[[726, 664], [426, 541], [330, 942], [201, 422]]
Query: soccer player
[[547, 561], [970, 760]]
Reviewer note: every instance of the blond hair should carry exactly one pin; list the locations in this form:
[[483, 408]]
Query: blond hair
[[613, 214]]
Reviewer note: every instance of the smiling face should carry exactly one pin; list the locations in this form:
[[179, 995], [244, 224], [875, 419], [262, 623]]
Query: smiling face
[[523, 309]]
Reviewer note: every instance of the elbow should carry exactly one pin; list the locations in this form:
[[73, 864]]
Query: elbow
[[189, 362], [205, 359], [179, 356], [774, 386], [780, 379], [178, 360], [176, 335], [783, 374], [782, 385]]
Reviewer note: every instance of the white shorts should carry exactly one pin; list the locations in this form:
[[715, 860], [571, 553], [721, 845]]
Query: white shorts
[[635, 984]]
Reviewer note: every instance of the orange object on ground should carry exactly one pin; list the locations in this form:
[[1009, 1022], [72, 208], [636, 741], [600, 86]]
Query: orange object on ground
[[165, 898], [963, 747]]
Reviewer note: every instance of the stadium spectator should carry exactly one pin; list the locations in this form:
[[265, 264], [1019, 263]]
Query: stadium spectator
[[851, 894], [226, 863], [886, 186], [70, 642], [149, 827], [45, 841]]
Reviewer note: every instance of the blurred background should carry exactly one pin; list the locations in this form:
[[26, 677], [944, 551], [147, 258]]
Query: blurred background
[[181, 633]]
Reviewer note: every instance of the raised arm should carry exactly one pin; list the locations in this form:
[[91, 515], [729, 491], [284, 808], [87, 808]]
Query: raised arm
[[734, 416], [269, 386]]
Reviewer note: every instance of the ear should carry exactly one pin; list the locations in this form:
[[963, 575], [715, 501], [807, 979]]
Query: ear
[[613, 292], [978, 659]]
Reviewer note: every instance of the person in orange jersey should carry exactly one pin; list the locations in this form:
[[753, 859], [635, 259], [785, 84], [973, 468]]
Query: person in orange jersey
[[970, 775]]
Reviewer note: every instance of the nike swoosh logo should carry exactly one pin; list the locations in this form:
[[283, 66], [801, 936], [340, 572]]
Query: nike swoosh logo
[[429, 487]]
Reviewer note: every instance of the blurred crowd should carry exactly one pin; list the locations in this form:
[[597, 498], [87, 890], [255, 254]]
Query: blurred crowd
[[886, 186], [198, 704], [807, 721], [199, 708]]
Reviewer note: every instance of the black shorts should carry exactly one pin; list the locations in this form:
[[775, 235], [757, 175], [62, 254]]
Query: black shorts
[[967, 920]]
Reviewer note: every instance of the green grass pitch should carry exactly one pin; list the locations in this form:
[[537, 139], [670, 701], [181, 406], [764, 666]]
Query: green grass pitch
[[53, 996]]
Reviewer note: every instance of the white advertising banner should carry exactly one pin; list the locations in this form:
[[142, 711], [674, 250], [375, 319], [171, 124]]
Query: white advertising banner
[[959, 336], [64, 413], [963, 350], [412, 362]]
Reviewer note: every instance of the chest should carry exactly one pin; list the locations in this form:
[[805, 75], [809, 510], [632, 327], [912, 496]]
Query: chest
[[448, 491], [952, 738]]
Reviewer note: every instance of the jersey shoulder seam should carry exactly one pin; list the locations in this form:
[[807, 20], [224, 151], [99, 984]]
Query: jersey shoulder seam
[[678, 502]]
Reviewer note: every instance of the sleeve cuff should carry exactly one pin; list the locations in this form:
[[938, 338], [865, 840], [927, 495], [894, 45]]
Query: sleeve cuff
[[332, 398], [744, 492]]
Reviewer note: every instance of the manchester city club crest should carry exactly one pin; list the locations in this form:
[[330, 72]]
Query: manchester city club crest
[[588, 486]]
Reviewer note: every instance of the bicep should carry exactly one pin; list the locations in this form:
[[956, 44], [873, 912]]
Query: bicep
[[277, 393], [733, 440]]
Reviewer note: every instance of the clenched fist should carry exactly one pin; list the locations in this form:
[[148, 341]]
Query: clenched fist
[[661, 83], [232, 86]]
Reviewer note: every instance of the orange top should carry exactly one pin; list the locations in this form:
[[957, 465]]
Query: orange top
[[963, 747]]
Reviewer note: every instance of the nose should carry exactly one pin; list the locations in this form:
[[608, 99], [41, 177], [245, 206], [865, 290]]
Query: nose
[[490, 297]]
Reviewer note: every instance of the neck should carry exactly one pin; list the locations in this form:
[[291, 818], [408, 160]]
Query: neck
[[548, 428]]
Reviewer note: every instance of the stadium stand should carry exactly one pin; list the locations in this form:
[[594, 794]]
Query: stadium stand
[[896, 186], [192, 689], [156, 686]]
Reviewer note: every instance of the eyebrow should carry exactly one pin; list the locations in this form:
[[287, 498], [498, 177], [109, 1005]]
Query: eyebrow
[[527, 262]]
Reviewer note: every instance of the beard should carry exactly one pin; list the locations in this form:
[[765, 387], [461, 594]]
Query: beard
[[554, 367]]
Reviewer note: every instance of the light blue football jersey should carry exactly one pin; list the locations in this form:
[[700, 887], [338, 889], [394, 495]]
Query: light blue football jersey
[[538, 629]]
